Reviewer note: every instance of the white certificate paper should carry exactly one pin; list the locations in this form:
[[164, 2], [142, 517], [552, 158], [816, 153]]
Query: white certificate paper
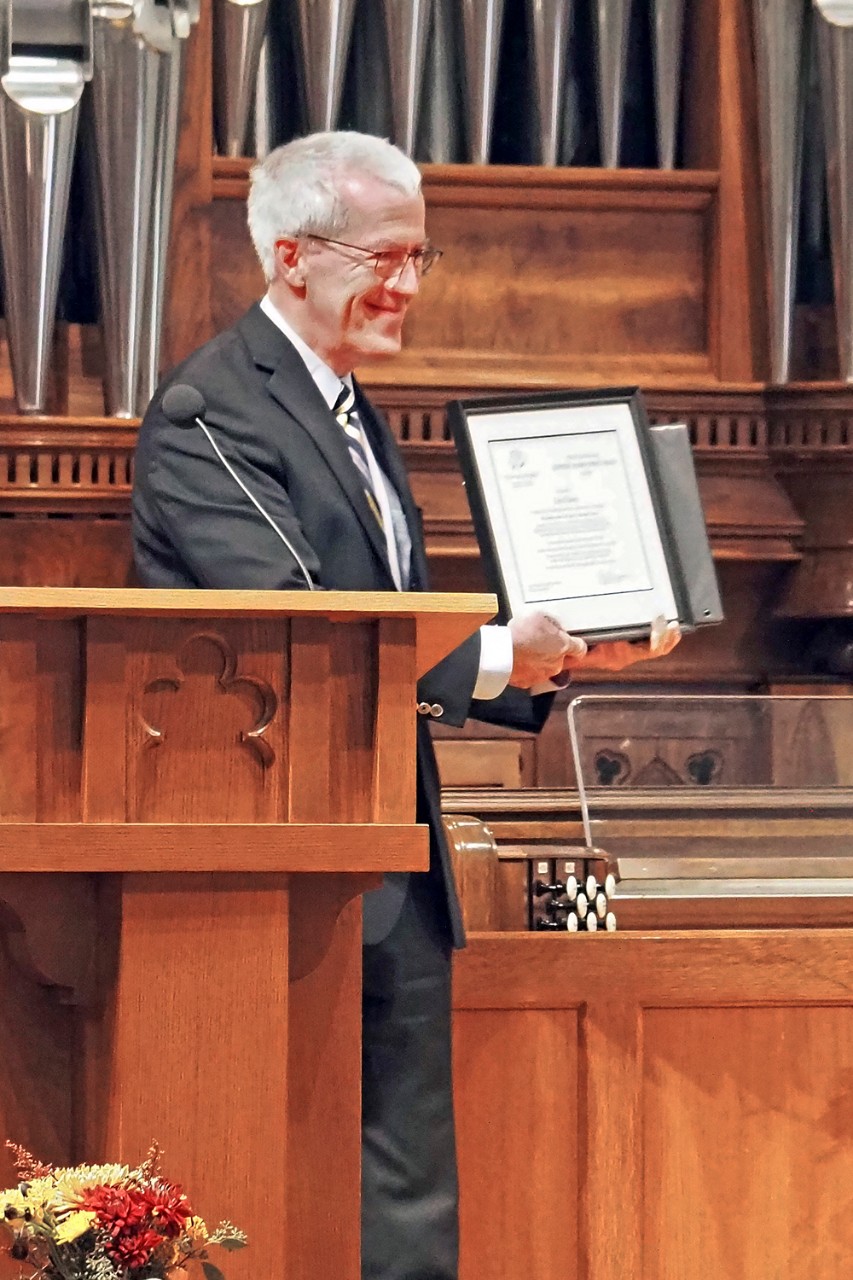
[[572, 519]]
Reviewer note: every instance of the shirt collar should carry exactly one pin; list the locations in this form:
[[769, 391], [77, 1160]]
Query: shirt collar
[[327, 381]]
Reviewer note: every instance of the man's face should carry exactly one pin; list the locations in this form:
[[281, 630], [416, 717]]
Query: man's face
[[343, 309]]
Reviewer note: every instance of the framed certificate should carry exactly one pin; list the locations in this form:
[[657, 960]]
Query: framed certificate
[[579, 512]]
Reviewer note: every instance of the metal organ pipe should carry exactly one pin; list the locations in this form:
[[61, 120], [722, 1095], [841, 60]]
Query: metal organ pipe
[[40, 93]]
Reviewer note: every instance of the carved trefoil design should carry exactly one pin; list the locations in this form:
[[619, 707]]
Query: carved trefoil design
[[226, 681]]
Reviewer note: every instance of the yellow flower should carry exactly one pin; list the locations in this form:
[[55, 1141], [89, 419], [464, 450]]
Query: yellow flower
[[196, 1231], [71, 1183], [40, 1192], [73, 1226], [13, 1204]]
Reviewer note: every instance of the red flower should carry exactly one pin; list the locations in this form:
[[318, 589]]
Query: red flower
[[134, 1250], [137, 1219], [168, 1208], [117, 1209]]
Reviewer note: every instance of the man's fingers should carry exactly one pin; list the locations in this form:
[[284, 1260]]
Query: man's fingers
[[541, 647], [667, 641]]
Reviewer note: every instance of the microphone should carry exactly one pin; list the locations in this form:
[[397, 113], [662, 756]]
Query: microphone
[[185, 407], [183, 404]]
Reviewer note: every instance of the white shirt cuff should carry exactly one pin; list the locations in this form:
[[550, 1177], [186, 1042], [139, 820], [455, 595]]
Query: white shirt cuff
[[495, 662]]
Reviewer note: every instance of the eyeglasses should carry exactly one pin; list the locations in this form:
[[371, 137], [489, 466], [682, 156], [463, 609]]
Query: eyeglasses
[[389, 264]]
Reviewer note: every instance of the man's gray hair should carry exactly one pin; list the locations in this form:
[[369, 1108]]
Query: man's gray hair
[[296, 189]]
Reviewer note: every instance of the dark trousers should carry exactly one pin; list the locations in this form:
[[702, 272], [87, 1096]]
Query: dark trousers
[[409, 1185]]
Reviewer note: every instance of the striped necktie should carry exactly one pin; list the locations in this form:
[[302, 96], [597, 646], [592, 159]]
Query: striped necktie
[[347, 415]]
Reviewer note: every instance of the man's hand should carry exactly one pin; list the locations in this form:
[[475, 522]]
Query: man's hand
[[615, 655], [540, 649]]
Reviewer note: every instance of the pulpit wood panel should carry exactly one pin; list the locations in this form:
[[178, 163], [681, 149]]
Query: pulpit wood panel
[[207, 1087], [352, 723], [324, 997], [39, 1041], [221, 1013], [394, 742]]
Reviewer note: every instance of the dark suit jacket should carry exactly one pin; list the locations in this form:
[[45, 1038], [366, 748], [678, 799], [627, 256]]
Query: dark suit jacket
[[194, 527]]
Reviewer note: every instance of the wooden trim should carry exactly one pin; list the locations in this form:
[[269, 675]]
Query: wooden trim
[[630, 803], [528, 186], [512, 971], [208, 847], [443, 620], [338, 606]]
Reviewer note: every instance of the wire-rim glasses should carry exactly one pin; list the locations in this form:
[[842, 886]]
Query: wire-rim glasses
[[389, 264]]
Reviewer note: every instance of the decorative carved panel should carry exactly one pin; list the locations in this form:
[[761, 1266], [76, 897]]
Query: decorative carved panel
[[203, 696]]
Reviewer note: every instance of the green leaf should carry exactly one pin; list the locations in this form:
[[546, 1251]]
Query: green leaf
[[231, 1243], [211, 1272]]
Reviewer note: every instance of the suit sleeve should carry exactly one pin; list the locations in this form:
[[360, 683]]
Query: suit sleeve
[[451, 684], [514, 709], [186, 496]]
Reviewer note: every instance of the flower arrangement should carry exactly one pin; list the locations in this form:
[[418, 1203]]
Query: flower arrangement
[[106, 1222]]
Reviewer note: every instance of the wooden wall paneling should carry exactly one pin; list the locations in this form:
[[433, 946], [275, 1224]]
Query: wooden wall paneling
[[473, 761], [192, 263], [71, 466], [83, 552], [819, 484], [238, 280], [747, 1142], [59, 695], [610, 1148], [721, 133], [532, 290], [708, 1132], [660, 740], [518, 1131], [51, 928], [512, 897], [556, 275]]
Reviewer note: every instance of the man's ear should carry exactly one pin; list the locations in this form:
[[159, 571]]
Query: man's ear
[[288, 260]]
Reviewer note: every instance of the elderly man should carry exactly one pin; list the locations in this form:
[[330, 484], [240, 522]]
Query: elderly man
[[299, 484]]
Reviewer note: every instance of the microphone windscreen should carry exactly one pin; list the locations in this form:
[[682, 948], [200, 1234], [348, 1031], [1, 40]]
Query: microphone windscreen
[[183, 404]]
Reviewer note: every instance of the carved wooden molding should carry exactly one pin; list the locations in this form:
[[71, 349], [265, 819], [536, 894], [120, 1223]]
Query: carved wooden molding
[[526, 186], [65, 465]]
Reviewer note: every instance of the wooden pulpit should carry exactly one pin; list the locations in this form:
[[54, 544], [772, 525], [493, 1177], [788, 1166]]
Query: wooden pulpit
[[195, 788]]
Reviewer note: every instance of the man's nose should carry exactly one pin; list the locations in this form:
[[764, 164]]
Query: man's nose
[[407, 281]]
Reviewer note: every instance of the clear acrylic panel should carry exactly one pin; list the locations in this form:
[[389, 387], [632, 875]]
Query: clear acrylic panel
[[701, 790]]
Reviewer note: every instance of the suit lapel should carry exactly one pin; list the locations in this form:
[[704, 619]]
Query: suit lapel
[[293, 388]]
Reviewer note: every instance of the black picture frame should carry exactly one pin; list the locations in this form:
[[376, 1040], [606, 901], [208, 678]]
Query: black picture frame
[[666, 488]]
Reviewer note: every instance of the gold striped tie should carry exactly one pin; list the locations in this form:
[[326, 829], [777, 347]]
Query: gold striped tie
[[347, 416]]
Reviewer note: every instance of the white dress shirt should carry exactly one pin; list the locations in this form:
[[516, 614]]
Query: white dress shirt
[[495, 642]]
